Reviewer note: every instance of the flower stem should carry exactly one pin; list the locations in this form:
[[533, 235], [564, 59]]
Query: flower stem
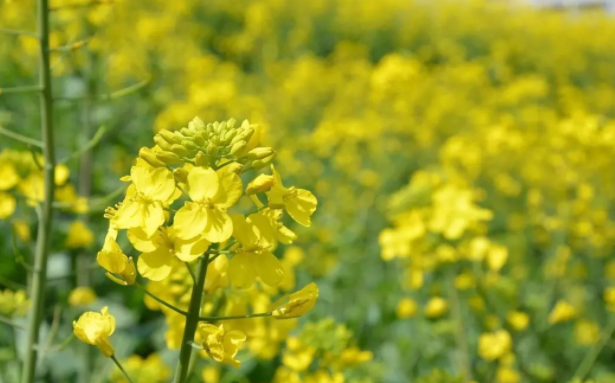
[[192, 320], [160, 300], [247, 316], [460, 333], [37, 289], [119, 365]]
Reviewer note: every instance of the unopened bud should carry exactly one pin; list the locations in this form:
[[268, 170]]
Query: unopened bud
[[259, 164], [169, 158], [201, 159], [196, 124], [149, 156], [212, 150], [181, 175], [179, 150], [237, 147], [260, 153], [260, 184], [162, 142]]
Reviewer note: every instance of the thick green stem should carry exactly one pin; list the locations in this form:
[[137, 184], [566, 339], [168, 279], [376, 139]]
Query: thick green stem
[[192, 321], [37, 290]]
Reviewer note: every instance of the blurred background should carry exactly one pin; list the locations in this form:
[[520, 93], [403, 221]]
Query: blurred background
[[462, 153]]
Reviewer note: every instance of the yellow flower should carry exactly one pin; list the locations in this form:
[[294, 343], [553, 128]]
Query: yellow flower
[[496, 257], [13, 302], [254, 259], [211, 193], [81, 296], [8, 176], [78, 235], [518, 320], [436, 307], [586, 333], [22, 230], [211, 374], [120, 268], [161, 251], [271, 227], [299, 203], [7, 205], [219, 344], [296, 304], [609, 298], [507, 375], [494, 345], [149, 370], [562, 312], [95, 329], [406, 308], [150, 191], [298, 356]]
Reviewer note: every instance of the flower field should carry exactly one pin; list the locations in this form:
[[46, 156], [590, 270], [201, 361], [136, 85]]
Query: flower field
[[322, 191]]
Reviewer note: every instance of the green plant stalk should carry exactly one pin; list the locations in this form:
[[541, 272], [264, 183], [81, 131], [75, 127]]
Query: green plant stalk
[[460, 331], [192, 320], [37, 290]]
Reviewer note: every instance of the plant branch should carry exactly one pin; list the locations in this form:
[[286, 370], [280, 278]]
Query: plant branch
[[232, 317], [21, 89], [89, 145], [20, 137], [46, 217], [16, 32], [119, 365], [160, 300], [11, 323], [110, 96]]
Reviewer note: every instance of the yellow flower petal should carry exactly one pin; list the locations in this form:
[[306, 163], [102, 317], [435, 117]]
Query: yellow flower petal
[[189, 250], [269, 268], [203, 184], [155, 265], [190, 220], [219, 226], [241, 270]]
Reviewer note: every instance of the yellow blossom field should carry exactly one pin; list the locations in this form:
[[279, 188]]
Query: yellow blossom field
[[319, 191]]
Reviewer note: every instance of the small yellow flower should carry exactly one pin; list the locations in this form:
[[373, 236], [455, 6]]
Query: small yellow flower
[[95, 329], [518, 320], [296, 304], [211, 374], [79, 235], [211, 193], [219, 344], [494, 345], [13, 302], [22, 230], [8, 176], [436, 307], [406, 308], [609, 298], [120, 268], [81, 296], [150, 191], [507, 375], [562, 312], [149, 370], [298, 356], [254, 258], [7, 205], [162, 250], [299, 203]]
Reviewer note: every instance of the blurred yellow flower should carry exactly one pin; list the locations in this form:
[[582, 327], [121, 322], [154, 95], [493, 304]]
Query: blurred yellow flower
[[211, 374], [562, 312], [586, 332], [95, 329], [120, 268], [81, 296], [299, 203], [518, 320], [436, 307], [494, 345], [149, 370], [13, 302], [406, 308], [79, 235], [297, 303]]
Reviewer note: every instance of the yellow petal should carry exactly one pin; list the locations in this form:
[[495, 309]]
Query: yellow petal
[[231, 188], [269, 268], [301, 206], [153, 218], [164, 187], [241, 270], [203, 184], [155, 265], [190, 220], [189, 250], [219, 225], [141, 241]]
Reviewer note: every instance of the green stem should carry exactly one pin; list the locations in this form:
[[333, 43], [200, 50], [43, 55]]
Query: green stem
[[247, 316], [593, 353], [460, 333], [119, 365], [161, 301], [37, 291], [21, 89], [20, 137], [10, 322], [192, 320], [15, 32]]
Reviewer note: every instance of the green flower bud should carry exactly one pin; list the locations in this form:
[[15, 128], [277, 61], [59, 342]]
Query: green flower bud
[[212, 150], [189, 145], [260, 153], [160, 141], [179, 150], [181, 175], [196, 124], [202, 159]]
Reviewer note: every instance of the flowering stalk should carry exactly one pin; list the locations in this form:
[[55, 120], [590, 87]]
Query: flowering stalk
[[192, 321], [46, 213]]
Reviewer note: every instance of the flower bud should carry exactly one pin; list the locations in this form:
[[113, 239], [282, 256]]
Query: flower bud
[[237, 147], [212, 150], [149, 156], [259, 164], [196, 124], [202, 159], [167, 135], [260, 184], [260, 153], [180, 150], [169, 158], [162, 142]]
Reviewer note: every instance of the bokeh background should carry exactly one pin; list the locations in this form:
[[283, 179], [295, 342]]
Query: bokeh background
[[462, 153]]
